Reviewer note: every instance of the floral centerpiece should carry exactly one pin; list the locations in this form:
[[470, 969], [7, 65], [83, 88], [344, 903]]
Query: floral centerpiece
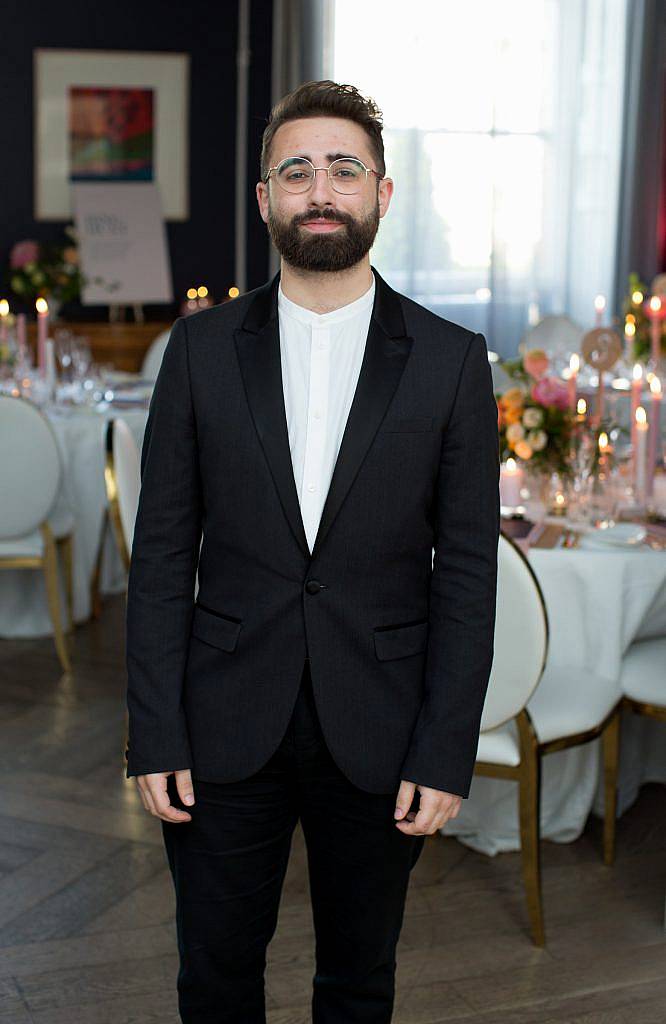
[[534, 419], [53, 271]]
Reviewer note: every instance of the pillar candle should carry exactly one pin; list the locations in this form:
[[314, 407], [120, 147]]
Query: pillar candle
[[511, 480], [655, 431]]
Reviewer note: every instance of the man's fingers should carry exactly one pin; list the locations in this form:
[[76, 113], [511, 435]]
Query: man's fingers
[[404, 799], [184, 785], [161, 806]]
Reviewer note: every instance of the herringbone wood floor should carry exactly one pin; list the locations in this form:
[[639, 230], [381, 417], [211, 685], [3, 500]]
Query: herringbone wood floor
[[87, 930]]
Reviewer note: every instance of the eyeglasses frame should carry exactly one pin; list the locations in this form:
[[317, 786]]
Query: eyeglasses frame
[[367, 170]]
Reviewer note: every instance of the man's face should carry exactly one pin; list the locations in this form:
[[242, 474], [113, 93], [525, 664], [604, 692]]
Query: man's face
[[321, 229]]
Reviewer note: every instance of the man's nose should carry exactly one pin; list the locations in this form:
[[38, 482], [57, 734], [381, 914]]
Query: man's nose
[[321, 190]]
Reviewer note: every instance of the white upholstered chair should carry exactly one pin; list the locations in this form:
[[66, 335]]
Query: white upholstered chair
[[643, 683], [153, 357], [126, 461], [554, 334], [531, 711], [122, 479], [33, 524]]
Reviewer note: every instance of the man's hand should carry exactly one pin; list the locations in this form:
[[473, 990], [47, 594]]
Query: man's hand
[[153, 791], [435, 808]]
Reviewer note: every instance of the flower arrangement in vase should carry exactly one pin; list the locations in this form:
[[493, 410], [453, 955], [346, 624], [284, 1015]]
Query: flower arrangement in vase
[[52, 271], [535, 422]]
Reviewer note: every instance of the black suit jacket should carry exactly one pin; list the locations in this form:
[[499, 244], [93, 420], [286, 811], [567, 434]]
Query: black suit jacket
[[400, 644]]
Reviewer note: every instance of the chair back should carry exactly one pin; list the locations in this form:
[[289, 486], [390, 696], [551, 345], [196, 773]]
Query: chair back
[[30, 467], [127, 467], [554, 334], [521, 637], [153, 357]]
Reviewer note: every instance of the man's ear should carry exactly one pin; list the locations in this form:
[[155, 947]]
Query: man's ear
[[262, 200]]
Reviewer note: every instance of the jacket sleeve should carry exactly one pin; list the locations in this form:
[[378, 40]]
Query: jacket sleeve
[[442, 750], [165, 549]]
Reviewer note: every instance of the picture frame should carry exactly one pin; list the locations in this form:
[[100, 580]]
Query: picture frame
[[110, 115]]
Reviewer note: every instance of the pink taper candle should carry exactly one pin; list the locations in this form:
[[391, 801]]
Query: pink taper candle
[[42, 332], [21, 336], [655, 430], [574, 367], [636, 390], [655, 312], [4, 313]]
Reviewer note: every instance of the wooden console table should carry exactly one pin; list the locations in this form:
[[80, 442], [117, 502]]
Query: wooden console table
[[120, 345]]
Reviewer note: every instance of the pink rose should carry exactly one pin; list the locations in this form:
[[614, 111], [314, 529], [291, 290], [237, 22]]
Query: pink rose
[[551, 391], [536, 363], [22, 253]]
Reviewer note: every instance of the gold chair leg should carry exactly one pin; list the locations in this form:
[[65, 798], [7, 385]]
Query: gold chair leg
[[66, 546], [95, 596], [529, 786], [610, 742], [51, 578]]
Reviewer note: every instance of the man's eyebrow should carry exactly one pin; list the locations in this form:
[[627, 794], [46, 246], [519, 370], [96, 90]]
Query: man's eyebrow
[[329, 156]]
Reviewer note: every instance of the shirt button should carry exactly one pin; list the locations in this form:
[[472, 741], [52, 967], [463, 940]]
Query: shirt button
[[311, 487]]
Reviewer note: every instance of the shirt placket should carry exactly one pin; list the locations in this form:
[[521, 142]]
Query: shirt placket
[[315, 438]]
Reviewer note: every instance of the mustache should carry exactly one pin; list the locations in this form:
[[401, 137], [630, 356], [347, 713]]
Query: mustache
[[330, 218]]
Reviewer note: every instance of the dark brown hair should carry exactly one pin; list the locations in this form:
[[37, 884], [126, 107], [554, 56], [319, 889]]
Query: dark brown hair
[[326, 99]]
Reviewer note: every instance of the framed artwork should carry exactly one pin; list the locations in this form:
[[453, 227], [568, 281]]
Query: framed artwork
[[110, 116]]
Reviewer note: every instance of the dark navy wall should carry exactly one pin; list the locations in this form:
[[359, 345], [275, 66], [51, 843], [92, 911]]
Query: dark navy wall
[[201, 248]]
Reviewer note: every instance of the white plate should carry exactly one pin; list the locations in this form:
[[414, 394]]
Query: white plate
[[622, 535]]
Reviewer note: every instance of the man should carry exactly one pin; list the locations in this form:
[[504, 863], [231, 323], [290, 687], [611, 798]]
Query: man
[[322, 434]]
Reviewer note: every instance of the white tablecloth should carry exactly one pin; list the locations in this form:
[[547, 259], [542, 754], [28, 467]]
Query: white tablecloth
[[80, 435], [598, 603]]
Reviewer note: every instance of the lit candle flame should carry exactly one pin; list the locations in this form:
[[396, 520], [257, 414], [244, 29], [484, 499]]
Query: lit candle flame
[[655, 385], [637, 298], [637, 371], [600, 303], [641, 415], [511, 465], [581, 407], [603, 441], [4, 307], [655, 304], [41, 305], [574, 363]]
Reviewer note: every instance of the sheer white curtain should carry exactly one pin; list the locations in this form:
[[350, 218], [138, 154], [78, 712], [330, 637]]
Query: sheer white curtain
[[502, 134]]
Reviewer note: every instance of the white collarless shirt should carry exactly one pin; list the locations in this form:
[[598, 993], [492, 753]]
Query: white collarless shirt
[[321, 356]]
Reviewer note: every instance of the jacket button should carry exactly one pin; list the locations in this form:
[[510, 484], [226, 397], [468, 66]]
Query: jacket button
[[313, 586]]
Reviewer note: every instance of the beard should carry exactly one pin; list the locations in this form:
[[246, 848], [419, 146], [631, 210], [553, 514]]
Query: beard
[[326, 252]]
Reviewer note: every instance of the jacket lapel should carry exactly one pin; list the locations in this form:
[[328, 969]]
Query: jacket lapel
[[258, 345]]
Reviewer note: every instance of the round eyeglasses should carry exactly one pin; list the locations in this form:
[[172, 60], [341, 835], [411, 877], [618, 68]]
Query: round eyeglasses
[[347, 175]]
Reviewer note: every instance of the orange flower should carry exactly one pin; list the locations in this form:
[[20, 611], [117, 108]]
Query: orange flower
[[523, 450]]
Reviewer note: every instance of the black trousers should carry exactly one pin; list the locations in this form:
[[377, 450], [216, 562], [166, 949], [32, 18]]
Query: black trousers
[[228, 865]]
